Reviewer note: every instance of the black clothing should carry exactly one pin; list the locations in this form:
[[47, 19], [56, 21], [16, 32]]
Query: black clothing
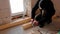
[[49, 11]]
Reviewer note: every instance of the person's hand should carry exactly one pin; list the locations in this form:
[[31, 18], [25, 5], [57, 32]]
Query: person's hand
[[32, 20], [35, 23]]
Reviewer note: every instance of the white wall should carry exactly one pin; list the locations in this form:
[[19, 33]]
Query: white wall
[[4, 12]]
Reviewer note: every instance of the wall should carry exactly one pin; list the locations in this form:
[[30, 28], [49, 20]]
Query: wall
[[33, 2], [4, 12], [57, 6], [27, 5]]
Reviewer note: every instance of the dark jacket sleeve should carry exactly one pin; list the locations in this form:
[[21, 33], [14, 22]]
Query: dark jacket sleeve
[[34, 9]]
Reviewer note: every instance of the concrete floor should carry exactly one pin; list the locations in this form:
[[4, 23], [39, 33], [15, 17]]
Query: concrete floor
[[48, 29], [45, 30], [13, 30]]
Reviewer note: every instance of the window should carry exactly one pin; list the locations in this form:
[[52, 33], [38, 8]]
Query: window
[[16, 6]]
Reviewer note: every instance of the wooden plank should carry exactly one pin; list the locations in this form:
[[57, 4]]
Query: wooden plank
[[18, 22]]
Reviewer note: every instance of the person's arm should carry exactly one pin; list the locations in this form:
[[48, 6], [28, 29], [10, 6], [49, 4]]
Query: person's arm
[[34, 9]]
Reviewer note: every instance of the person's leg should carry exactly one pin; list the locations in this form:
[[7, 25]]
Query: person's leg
[[42, 22], [49, 21], [49, 17]]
